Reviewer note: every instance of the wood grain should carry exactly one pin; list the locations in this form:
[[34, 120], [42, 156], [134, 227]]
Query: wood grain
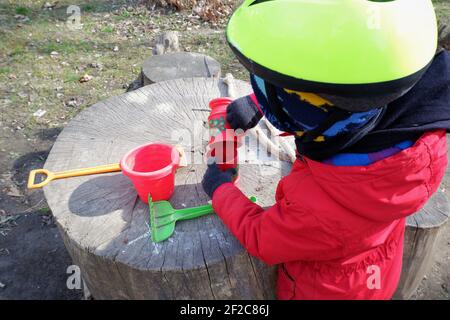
[[105, 225], [421, 237], [179, 65]]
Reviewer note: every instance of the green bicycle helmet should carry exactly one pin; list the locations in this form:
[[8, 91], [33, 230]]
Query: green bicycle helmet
[[362, 50]]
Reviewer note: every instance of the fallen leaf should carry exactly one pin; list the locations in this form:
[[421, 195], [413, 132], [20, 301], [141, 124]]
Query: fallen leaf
[[96, 65], [39, 113], [72, 102], [85, 78], [21, 18], [49, 6]]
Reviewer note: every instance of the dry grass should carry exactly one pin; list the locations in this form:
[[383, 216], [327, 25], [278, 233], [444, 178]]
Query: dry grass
[[208, 10]]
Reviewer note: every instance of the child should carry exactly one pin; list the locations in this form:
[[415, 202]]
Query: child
[[369, 107]]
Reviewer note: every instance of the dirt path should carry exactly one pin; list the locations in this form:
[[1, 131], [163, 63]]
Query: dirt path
[[36, 265]]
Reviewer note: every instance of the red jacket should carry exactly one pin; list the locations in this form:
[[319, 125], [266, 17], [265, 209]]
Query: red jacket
[[337, 232]]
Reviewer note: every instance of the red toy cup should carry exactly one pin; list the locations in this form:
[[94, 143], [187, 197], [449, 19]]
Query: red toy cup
[[217, 120], [218, 108], [223, 143], [152, 169], [224, 147]]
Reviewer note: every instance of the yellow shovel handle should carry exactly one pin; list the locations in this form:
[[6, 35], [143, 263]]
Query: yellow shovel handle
[[67, 174]]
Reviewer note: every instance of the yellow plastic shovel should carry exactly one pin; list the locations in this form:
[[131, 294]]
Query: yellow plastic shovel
[[50, 176]]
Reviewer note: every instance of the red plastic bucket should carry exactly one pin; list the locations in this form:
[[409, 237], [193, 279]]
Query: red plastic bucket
[[152, 169]]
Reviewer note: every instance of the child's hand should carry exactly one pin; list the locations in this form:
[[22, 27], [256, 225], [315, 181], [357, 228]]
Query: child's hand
[[243, 114], [214, 177]]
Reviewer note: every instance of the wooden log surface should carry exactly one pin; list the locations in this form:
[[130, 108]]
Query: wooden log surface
[[105, 226], [422, 234], [179, 65]]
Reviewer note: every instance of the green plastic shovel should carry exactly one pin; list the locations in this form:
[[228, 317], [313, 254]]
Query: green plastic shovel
[[163, 217]]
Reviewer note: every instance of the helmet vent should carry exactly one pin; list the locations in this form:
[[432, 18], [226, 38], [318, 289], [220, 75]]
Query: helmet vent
[[259, 1]]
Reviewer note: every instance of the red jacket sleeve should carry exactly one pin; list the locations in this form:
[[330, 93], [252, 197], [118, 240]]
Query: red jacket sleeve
[[282, 233]]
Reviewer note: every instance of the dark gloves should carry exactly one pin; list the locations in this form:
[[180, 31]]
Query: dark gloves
[[214, 177], [243, 114]]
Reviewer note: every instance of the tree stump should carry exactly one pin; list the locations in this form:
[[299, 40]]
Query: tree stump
[[421, 236], [105, 226], [166, 42], [179, 65]]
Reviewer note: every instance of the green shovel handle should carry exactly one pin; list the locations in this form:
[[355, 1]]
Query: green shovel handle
[[191, 213]]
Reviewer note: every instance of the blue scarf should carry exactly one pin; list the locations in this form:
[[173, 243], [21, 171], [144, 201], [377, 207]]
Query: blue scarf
[[425, 107]]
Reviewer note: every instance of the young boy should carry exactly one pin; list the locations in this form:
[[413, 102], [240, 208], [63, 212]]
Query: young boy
[[360, 85]]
